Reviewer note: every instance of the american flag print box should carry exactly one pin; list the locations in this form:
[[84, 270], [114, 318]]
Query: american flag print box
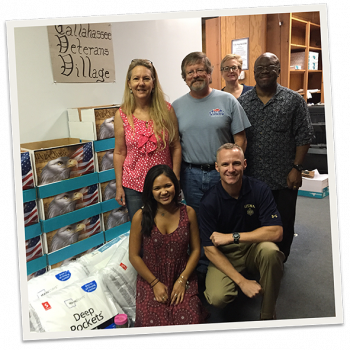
[[57, 160], [69, 201], [27, 171], [101, 119], [34, 248], [115, 217], [104, 121], [105, 160], [70, 234], [108, 190], [30, 211]]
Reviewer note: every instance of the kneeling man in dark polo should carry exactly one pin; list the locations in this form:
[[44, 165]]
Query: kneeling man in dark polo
[[239, 222]]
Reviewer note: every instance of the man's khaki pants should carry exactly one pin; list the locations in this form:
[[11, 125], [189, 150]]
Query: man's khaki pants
[[264, 258]]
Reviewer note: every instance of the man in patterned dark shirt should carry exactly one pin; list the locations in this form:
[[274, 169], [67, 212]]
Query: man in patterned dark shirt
[[278, 139]]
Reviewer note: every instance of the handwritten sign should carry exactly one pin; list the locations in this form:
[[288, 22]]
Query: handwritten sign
[[82, 53]]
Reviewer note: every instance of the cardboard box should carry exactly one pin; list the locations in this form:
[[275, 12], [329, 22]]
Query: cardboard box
[[67, 202], [34, 248], [105, 160], [297, 59], [316, 187], [30, 211], [322, 194], [107, 190], [64, 257], [115, 218], [27, 171], [60, 159], [71, 234], [313, 60], [92, 123]]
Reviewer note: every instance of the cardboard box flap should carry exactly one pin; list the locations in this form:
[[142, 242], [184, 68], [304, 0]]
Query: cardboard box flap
[[80, 109], [33, 146]]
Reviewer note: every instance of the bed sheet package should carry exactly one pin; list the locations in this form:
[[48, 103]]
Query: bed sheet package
[[59, 289], [83, 305]]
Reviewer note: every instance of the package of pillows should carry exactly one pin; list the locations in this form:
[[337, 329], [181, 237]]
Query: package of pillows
[[85, 293]]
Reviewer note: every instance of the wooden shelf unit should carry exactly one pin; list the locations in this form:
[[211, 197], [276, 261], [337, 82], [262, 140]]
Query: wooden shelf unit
[[297, 34]]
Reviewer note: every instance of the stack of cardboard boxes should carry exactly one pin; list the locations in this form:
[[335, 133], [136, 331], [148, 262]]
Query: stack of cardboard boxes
[[316, 187], [72, 191]]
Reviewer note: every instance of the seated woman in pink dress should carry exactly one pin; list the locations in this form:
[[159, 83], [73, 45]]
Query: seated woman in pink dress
[[167, 289]]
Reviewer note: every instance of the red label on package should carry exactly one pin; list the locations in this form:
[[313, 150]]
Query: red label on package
[[123, 266], [46, 305]]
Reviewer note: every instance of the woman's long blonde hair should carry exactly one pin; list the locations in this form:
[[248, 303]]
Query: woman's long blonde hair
[[159, 111]]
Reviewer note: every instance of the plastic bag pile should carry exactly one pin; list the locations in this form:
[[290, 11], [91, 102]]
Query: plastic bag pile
[[86, 293]]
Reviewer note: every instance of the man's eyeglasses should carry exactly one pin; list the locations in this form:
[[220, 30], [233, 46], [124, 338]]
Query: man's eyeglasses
[[228, 69], [197, 71], [269, 68]]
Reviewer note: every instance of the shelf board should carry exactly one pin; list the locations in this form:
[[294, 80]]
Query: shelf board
[[297, 71], [314, 71], [314, 150], [314, 48], [295, 46], [315, 25], [299, 21]]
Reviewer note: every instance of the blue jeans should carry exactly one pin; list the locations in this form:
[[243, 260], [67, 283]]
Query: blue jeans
[[194, 183], [133, 201]]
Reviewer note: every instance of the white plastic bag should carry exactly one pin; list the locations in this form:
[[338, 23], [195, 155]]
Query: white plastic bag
[[120, 278], [113, 253], [55, 279], [50, 282], [80, 306], [100, 257]]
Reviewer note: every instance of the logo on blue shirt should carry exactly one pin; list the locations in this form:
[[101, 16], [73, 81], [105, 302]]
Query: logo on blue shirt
[[217, 112]]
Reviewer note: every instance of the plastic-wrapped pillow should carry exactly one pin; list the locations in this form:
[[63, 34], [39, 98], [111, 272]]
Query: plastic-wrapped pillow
[[120, 278], [100, 257]]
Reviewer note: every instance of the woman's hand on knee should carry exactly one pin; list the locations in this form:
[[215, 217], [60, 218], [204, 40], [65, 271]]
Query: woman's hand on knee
[[120, 196]]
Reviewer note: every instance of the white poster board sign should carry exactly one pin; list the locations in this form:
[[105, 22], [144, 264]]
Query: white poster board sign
[[241, 47], [82, 53]]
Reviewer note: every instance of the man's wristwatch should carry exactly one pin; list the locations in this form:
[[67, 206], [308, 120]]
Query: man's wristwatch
[[299, 167], [236, 236]]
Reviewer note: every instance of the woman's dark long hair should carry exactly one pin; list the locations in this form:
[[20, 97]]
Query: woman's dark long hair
[[149, 209]]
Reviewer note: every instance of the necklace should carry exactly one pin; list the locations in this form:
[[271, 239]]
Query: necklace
[[163, 213]]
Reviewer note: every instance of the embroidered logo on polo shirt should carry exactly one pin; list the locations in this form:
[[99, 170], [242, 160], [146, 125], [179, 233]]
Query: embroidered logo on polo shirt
[[216, 112], [250, 210]]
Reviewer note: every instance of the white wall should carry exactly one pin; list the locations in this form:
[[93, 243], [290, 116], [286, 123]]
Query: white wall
[[42, 104]]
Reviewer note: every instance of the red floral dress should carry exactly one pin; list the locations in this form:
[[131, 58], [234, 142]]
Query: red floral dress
[[142, 151], [166, 256]]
